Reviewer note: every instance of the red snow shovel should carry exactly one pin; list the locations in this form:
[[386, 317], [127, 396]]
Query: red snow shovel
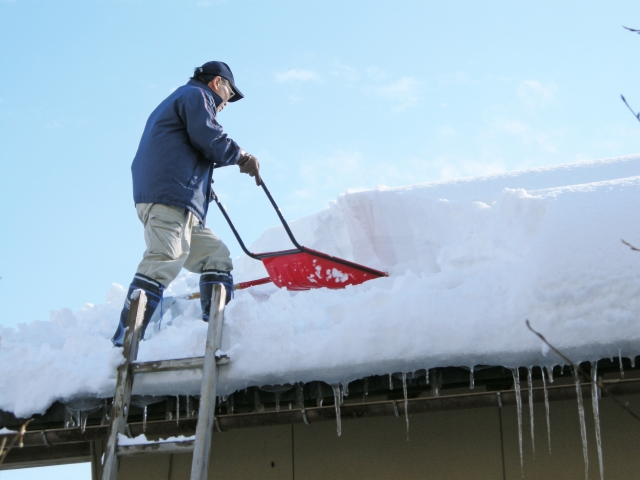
[[302, 268]]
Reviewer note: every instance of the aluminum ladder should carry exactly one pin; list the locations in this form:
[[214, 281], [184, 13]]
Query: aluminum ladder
[[210, 364]]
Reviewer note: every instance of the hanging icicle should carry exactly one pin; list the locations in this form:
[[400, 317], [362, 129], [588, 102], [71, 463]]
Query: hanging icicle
[[472, 382], [620, 362], [259, 407], [406, 402], [595, 395], [230, 404], [546, 408], [144, 419], [583, 426], [516, 384], [337, 397], [530, 387], [319, 398]]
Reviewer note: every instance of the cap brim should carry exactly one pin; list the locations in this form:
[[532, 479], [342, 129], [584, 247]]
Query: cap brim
[[237, 94]]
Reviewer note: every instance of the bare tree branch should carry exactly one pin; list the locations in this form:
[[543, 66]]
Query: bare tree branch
[[631, 246], [637, 115], [18, 436], [584, 376]]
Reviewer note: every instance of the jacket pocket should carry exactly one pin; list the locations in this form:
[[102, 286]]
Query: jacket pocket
[[185, 169]]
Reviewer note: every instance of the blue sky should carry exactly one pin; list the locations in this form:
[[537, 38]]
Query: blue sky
[[339, 95]]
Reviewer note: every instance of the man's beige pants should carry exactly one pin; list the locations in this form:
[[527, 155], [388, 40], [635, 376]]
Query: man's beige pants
[[175, 240]]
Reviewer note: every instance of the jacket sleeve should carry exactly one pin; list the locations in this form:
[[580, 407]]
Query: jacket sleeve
[[198, 113]]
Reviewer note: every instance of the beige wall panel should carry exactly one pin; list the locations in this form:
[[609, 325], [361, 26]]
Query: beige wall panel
[[180, 467], [263, 452], [148, 467], [443, 445], [620, 441]]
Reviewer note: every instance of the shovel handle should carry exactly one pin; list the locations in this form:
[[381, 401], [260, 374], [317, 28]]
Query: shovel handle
[[237, 286]]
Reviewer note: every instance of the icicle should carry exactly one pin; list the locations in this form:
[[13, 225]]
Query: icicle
[[427, 376], [365, 386], [546, 407], [595, 393], [530, 385], [472, 382], [550, 374], [435, 385], [258, 404], [78, 418], [300, 396], [144, 419], [406, 402], [516, 383], [320, 398], [278, 394], [337, 397], [345, 389], [620, 361], [633, 362], [390, 382], [583, 426], [177, 409], [230, 404], [189, 405]]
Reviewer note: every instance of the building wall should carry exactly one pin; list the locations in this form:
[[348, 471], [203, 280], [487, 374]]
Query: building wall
[[461, 444]]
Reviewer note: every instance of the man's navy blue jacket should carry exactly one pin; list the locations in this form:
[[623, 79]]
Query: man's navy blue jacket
[[181, 144]]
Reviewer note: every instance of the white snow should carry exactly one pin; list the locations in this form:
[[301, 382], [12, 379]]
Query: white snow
[[468, 261], [141, 439]]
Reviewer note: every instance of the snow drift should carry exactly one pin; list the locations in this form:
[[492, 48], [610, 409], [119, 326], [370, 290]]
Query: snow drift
[[469, 261]]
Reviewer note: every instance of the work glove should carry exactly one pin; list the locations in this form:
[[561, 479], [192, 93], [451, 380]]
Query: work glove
[[249, 164]]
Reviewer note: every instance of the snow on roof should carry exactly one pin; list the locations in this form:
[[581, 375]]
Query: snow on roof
[[469, 260]]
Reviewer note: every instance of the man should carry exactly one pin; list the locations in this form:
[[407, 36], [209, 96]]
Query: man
[[172, 173]]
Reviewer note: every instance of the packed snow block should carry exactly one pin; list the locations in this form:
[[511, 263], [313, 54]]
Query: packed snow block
[[469, 261]]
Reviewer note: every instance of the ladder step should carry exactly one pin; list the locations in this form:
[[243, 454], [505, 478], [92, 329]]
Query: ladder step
[[157, 366], [185, 446]]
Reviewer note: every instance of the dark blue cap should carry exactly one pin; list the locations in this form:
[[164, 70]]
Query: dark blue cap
[[221, 69]]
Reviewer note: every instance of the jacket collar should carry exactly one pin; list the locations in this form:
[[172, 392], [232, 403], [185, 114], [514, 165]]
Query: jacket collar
[[216, 98]]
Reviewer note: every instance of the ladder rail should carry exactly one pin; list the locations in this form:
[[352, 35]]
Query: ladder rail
[[124, 384], [208, 391], [210, 365]]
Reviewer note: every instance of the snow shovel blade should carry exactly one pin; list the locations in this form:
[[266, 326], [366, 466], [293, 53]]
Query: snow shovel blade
[[303, 268], [309, 269]]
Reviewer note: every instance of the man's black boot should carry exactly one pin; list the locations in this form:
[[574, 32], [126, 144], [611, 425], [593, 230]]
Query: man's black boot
[[153, 290], [207, 280]]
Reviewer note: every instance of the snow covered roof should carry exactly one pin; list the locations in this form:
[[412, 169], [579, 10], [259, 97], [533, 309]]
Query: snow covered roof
[[469, 260]]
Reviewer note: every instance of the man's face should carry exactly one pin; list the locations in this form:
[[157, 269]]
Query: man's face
[[223, 89]]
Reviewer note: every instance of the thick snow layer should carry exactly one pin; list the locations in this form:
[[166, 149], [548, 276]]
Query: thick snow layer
[[469, 261]]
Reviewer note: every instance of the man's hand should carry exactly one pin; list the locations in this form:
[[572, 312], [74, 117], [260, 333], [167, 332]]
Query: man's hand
[[249, 164]]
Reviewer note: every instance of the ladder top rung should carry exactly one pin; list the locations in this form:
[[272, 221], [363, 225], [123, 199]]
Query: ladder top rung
[[192, 363], [168, 365]]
